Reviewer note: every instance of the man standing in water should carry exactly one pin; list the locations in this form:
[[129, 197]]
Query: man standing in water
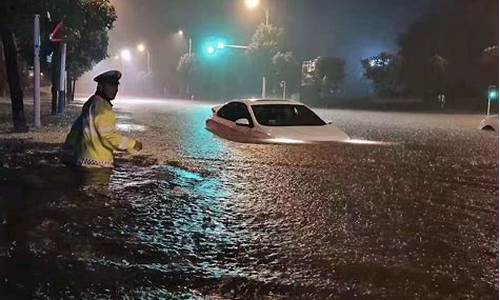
[[93, 137]]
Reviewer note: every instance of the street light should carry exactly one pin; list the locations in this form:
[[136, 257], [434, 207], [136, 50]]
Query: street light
[[142, 48], [126, 55], [253, 4]]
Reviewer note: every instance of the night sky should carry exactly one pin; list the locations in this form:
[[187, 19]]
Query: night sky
[[348, 29]]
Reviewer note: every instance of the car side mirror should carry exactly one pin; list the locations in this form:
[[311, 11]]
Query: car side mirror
[[243, 122]]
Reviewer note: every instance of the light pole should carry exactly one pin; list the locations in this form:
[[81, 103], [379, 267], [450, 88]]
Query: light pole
[[124, 56], [253, 4], [190, 42], [283, 85], [143, 49]]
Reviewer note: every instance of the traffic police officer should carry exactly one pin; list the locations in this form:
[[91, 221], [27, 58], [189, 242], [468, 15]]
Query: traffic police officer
[[93, 137]]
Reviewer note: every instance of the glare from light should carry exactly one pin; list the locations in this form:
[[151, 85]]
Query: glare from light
[[116, 57], [141, 47], [286, 141], [126, 55], [180, 32], [252, 4], [130, 127], [220, 45], [210, 50], [368, 142]]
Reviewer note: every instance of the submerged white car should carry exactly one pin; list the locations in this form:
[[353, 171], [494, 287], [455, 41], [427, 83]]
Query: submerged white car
[[489, 123], [271, 121]]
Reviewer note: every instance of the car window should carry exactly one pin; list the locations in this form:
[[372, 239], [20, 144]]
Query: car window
[[234, 111], [286, 115]]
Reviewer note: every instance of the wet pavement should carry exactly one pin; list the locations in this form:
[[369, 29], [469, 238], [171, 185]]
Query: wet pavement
[[225, 220]]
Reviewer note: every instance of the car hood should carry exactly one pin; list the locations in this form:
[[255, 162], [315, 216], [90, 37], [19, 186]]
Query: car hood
[[306, 133]]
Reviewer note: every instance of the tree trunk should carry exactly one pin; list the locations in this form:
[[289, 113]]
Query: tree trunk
[[16, 92], [69, 89], [73, 90], [56, 62]]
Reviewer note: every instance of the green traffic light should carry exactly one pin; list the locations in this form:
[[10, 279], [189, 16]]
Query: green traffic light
[[493, 94]]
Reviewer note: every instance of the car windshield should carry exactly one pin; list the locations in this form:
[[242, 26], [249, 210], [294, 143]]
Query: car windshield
[[286, 115]]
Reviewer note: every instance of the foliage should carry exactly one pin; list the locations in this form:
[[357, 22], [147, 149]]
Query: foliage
[[287, 68], [188, 69], [265, 43], [86, 23], [331, 71], [384, 71], [460, 36]]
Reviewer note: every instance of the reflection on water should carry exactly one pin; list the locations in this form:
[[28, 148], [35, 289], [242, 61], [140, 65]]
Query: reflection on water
[[336, 220], [130, 127]]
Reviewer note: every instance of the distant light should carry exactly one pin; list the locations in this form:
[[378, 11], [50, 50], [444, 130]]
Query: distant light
[[126, 55], [31, 73], [220, 45], [252, 3], [493, 94], [373, 63], [181, 32], [141, 47], [210, 50], [116, 57]]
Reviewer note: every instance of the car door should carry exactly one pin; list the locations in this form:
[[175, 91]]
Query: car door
[[227, 116]]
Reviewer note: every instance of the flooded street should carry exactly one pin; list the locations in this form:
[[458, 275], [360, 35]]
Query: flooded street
[[417, 219]]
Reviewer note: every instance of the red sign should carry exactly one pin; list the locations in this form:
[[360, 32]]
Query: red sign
[[55, 35]]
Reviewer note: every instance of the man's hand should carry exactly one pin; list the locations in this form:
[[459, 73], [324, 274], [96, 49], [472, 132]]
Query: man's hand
[[138, 146]]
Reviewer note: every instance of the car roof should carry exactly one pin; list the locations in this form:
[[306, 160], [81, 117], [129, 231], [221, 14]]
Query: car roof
[[260, 101]]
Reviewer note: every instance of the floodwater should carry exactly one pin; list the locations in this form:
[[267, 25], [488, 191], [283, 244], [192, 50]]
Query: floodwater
[[413, 220]]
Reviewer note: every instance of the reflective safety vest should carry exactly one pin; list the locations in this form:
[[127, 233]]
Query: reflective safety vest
[[93, 136]]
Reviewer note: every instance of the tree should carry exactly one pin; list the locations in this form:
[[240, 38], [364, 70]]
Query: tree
[[187, 68], [86, 24], [437, 74], [287, 68], [11, 12], [89, 43], [384, 71], [265, 43], [331, 74], [460, 34]]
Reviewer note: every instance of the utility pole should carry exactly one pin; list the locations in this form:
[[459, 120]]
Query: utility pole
[[283, 85], [36, 72], [62, 88], [263, 87]]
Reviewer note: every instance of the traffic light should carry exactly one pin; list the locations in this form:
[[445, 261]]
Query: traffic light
[[492, 93], [213, 46]]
